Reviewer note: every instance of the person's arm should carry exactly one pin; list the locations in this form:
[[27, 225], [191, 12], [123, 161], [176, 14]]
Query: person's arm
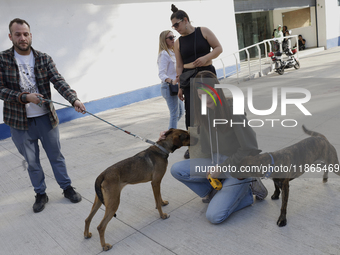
[[7, 93], [246, 138], [214, 44], [163, 61], [179, 61], [247, 141], [62, 87], [179, 68]]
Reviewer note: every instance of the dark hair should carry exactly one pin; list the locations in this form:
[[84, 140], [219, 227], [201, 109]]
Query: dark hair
[[221, 111], [178, 14], [285, 27], [19, 21], [300, 35]]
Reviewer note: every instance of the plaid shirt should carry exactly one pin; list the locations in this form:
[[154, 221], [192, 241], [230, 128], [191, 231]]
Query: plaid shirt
[[45, 71]]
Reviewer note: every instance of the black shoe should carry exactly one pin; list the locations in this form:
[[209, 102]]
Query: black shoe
[[186, 154], [258, 189], [210, 196], [69, 193], [40, 201]]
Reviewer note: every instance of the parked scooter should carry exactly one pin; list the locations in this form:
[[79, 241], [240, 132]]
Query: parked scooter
[[281, 65]]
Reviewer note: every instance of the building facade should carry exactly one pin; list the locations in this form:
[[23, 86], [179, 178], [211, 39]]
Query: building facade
[[107, 49], [316, 20]]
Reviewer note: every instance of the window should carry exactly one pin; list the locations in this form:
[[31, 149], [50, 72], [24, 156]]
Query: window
[[297, 18]]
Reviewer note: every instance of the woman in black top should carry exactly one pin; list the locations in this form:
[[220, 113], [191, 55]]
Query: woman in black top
[[190, 55], [285, 31]]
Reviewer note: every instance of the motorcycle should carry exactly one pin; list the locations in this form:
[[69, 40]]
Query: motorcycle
[[281, 65]]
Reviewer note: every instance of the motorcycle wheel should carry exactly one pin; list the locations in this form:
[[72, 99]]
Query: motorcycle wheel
[[280, 71], [297, 65]]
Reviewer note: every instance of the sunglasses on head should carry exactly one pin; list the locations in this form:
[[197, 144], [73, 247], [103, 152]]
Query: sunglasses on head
[[174, 26], [171, 37]]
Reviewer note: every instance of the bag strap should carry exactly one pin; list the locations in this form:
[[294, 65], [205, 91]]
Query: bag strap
[[195, 43], [195, 47]]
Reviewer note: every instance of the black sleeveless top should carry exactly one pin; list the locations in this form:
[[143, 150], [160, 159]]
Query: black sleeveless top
[[187, 48]]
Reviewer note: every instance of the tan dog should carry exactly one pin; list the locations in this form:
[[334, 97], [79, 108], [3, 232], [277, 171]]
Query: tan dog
[[312, 150], [148, 165]]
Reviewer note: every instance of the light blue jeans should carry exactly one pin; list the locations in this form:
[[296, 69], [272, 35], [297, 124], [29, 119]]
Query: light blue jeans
[[234, 195], [176, 106], [26, 141]]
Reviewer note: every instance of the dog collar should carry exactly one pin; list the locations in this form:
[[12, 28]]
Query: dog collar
[[157, 145], [162, 149], [271, 168]]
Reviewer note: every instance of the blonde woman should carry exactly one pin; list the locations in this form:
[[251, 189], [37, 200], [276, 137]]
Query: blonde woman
[[167, 73]]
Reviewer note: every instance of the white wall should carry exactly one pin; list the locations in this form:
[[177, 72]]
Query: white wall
[[332, 10], [308, 33], [322, 29], [104, 47]]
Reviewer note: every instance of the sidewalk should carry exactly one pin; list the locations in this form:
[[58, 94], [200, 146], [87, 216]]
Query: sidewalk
[[90, 146]]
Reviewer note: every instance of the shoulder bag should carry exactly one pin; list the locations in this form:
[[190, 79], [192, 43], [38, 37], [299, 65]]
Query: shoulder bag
[[173, 89]]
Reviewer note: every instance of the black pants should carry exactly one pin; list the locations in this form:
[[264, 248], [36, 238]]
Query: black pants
[[186, 93]]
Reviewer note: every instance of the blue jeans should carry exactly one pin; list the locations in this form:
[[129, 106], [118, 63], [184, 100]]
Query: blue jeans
[[26, 141], [176, 106], [234, 195]]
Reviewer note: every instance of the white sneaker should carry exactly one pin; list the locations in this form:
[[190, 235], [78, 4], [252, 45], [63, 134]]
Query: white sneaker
[[258, 189]]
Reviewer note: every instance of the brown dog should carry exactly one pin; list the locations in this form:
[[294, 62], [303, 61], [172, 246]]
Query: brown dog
[[305, 153], [148, 165]]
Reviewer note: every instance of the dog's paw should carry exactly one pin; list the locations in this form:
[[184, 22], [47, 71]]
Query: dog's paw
[[165, 203], [275, 196], [165, 216], [87, 236], [281, 222], [107, 247]]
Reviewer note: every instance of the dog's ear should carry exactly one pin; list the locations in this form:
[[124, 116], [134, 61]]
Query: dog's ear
[[183, 136], [169, 132], [179, 139]]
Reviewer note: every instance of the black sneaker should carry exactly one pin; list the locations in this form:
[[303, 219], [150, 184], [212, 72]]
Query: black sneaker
[[69, 193], [187, 154], [210, 196], [258, 189], [40, 201]]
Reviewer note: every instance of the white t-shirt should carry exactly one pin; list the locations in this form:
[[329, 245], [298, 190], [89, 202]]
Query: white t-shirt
[[28, 84]]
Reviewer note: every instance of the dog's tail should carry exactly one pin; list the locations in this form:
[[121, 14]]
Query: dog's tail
[[312, 133], [98, 188]]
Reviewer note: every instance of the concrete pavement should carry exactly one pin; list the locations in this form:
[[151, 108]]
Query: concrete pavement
[[90, 146]]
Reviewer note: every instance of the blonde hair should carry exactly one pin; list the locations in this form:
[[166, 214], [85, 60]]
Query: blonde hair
[[162, 42]]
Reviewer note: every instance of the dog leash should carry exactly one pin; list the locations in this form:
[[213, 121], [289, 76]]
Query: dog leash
[[125, 131], [271, 168], [241, 183]]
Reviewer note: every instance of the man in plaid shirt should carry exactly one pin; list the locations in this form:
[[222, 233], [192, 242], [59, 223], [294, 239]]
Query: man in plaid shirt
[[25, 75]]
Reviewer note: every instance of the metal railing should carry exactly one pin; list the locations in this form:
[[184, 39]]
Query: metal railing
[[252, 64]]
